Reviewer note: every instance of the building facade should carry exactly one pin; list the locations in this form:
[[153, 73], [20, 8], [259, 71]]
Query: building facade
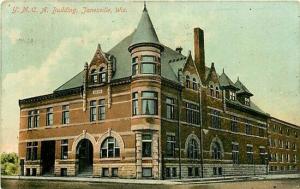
[[144, 110]]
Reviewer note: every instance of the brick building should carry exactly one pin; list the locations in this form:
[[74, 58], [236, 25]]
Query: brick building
[[144, 110]]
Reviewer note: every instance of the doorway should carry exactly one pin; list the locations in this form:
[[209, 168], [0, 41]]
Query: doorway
[[48, 157], [84, 154]]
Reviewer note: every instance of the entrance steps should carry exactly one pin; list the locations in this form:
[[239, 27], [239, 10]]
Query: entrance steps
[[86, 172]]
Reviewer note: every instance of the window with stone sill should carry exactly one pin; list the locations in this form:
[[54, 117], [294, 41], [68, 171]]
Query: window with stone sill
[[194, 84], [234, 127], [49, 117], [65, 114], [249, 154], [31, 150], [94, 76], [64, 149], [101, 109], [149, 103], [170, 104], [102, 75], [192, 113], [110, 148], [215, 119], [33, 118], [135, 104], [216, 151], [262, 154], [146, 145], [235, 153], [149, 64], [248, 128], [193, 149], [171, 142], [93, 110], [187, 82]]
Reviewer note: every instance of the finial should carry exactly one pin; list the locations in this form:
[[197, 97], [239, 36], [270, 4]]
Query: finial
[[238, 78], [223, 70], [99, 46], [212, 64], [145, 7]]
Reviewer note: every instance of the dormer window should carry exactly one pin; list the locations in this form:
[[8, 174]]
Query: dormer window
[[94, 76], [194, 84], [148, 65], [187, 82], [247, 101], [211, 90], [232, 95], [102, 75]]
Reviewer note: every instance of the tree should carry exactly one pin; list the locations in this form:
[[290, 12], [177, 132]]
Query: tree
[[9, 164]]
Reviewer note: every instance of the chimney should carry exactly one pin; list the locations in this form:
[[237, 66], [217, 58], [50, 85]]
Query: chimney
[[178, 49], [199, 52]]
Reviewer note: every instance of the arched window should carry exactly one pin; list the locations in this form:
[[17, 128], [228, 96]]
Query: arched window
[[194, 84], [216, 151], [110, 148], [94, 77], [102, 75], [188, 82], [193, 149]]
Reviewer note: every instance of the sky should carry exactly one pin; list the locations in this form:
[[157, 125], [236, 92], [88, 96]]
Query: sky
[[42, 48]]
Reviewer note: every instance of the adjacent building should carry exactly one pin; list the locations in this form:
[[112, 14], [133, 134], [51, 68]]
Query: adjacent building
[[145, 110]]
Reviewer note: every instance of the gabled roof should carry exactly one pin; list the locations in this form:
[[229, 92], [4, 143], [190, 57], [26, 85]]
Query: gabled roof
[[145, 32], [225, 82], [242, 88]]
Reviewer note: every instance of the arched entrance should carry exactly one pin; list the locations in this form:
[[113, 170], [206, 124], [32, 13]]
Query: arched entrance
[[84, 155]]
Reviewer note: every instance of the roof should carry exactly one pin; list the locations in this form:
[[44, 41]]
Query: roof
[[145, 32], [252, 106], [76, 81], [225, 81], [242, 88]]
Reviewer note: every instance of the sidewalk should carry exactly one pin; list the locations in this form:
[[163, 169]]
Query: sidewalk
[[159, 182]]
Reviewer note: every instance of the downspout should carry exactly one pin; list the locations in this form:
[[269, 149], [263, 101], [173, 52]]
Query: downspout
[[201, 128]]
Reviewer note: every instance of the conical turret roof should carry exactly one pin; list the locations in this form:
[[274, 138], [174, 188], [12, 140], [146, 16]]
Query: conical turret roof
[[242, 88], [145, 32]]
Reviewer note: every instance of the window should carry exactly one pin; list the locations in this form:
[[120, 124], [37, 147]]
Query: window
[[102, 75], [168, 172], [114, 172], [64, 149], [94, 77], [146, 145], [31, 151], [247, 101], [192, 113], [250, 154], [110, 148], [248, 128], [149, 103], [261, 132], [234, 127], [215, 119], [33, 118], [211, 90], [190, 171], [193, 149], [196, 171], [295, 158], [101, 109], [294, 146], [287, 132], [262, 155], [171, 146], [287, 144], [147, 172], [93, 110], [49, 117], [216, 151], [187, 82], [194, 84], [135, 104], [65, 114], [217, 92], [105, 172], [63, 172], [148, 65], [235, 153], [135, 66], [170, 108], [33, 172], [232, 95], [217, 171], [174, 172], [296, 134], [280, 143]]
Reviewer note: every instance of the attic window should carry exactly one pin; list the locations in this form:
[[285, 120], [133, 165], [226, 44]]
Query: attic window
[[94, 77], [194, 84], [102, 75], [247, 101], [188, 82], [211, 90], [217, 92], [232, 95]]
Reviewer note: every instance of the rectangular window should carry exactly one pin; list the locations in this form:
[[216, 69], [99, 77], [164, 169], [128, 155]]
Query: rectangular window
[[33, 118], [148, 68], [174, 172], [64, 149], [65, 114], [168, 172], [196, 171], [192, 113], [190, 171], [134, 65], [170, 108], [105, 172], [171, 146], [247, 101], [250, 154], [101, 109], [93, 110], [234, 127], [262, 154], [148, 58], [147, 172], [235, 153], [49, 117], [149, 103], [248, 128], [31, 151], [215, 119], [114, 172], [63, 172], [147, 145], [261, 132], [135, 104]]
